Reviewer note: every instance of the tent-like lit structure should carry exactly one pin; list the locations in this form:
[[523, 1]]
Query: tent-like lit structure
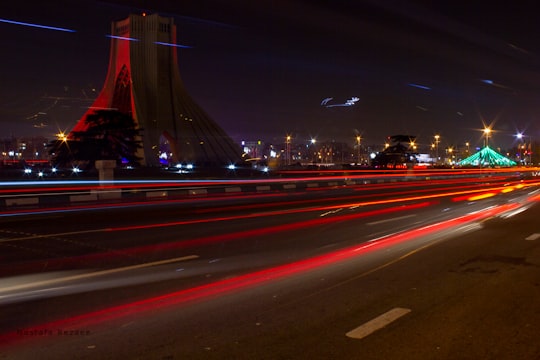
[[487, 157]]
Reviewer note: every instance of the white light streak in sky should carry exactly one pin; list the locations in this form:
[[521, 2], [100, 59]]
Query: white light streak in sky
[[349, 102], [35, 25]]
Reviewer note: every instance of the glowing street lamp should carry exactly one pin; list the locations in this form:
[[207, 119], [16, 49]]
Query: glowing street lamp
[[313, 141], [61, 136], [288, 149], [437, 139], [487, 131], [523, 146], [449, 155], [519, 136], [358, 138]]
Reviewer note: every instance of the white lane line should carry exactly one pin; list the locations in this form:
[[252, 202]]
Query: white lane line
[[389, 220], [37, 236], [331, 212], [534, 236], [96, 273], [378, 323]]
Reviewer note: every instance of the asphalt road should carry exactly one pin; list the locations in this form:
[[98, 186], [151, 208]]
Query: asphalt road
[[463, 289]]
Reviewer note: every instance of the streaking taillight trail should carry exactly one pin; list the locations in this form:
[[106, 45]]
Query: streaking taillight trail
[[241, 282]]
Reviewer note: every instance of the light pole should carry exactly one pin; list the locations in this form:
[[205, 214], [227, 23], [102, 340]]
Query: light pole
[[313, 141], [437, 139], [358, 138], [530, 150], [527, 148], [487, 131], [521, 146], [288, 149]]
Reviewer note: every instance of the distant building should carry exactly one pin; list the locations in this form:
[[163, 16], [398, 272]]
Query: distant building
[[24, 149]]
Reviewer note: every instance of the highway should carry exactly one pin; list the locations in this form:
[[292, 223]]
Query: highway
[[440, 269]]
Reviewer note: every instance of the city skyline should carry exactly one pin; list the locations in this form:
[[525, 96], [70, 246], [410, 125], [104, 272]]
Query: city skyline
[[265, 72]]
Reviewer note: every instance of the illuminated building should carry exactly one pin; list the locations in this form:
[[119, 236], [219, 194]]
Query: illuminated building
[[143, 80]]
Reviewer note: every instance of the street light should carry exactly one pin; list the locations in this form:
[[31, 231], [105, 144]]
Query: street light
[[358, 138], [487, 131], [288, 149], [521, 146], [437, 139], [61, 136], [313, 141], [524, 146]]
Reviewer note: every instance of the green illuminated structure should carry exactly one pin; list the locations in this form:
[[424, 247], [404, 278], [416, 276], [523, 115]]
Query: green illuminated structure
[[487, 157]]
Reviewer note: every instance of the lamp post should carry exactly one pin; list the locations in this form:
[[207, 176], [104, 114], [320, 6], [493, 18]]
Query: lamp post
[[527, 148], [288, 149], [520, 146], [530, 150], [437, 139], [313, 141], [358, 138], [487, 131]]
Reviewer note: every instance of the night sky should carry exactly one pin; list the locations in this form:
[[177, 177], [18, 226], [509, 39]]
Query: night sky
[[262, 69]]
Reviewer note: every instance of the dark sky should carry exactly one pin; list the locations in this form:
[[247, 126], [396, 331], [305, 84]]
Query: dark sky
[[262, 68]]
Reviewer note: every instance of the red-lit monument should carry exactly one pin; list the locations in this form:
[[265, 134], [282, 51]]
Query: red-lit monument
[[144, 81]]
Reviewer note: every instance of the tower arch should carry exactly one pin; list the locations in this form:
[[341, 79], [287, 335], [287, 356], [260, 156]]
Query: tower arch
[[143, 80]]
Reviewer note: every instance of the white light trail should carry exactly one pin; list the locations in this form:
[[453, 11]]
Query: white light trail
[[35, 25]]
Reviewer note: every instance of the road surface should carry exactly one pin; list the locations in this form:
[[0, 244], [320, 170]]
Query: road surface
[[309, 277]]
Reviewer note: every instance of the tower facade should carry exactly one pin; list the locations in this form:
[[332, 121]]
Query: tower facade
[[143, 80]]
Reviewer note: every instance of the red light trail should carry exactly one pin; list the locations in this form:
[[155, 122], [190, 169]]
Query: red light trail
[[225, 286]]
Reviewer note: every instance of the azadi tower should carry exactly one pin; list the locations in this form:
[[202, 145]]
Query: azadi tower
[[144, 81]]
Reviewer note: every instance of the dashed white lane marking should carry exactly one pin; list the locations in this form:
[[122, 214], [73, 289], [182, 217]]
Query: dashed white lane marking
[[96, 273], [534, 236], [331, 212], [378, 323], [389, 220]]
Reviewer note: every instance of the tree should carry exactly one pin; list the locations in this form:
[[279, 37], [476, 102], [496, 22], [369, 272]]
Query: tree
[[110, 135]]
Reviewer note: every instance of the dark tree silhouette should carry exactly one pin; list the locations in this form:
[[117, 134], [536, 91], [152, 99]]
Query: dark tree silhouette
[[111, 135]]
